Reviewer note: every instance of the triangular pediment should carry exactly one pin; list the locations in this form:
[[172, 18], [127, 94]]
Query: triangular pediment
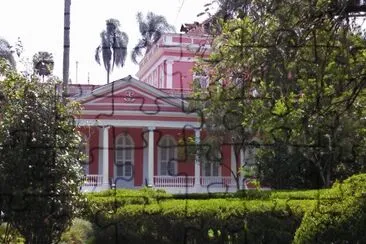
[[130, 94]]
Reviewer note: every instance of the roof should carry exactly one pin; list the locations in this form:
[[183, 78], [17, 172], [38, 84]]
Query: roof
[[173, 98]]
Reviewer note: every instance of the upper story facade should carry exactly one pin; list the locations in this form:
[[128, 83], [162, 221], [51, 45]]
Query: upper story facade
[[169, 63]]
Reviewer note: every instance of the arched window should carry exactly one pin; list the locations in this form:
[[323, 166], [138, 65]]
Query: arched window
[[167, 156], [84, 149], [124, 156]]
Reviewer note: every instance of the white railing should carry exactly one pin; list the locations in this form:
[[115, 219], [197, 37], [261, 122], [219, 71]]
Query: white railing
[[93, 180], [173, 181], [218, 181]]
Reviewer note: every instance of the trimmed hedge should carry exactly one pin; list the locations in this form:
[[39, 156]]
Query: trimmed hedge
[[202, 221], [341, 221], [111, 200], [335, 215], [267, 195]]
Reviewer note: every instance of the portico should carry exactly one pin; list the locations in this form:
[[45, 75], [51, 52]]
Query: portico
[[133, 132]]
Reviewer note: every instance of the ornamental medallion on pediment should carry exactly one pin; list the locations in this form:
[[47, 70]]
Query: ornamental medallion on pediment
[[129, 97]]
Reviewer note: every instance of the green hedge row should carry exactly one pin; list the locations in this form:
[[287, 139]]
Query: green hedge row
[[335, 215], [339, 221], [202, 221]]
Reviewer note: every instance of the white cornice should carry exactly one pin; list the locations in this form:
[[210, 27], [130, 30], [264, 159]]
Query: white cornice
[[139, 112], [116, 85], [138, 123]]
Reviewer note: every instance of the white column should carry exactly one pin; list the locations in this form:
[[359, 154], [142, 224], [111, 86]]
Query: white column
[[150, 171], [169, 72], [242, 162], [197, 163], [105, 157]]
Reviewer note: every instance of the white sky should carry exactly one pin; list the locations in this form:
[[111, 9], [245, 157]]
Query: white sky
[[39, 24]]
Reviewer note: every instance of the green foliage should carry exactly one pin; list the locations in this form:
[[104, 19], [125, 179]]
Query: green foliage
[[113, 199], [149, 216], [43, 63], [235, 220], [334, 215], [284, 167], [40, 172], [187, 148], [80, 232], [288, 72], [341, 221], [9, 234]]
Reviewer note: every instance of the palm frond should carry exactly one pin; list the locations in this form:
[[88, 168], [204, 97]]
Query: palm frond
[[113, 47], [151, 29], [97, 53], [43, 63], [143, 27], [119, 49], [137, 50]]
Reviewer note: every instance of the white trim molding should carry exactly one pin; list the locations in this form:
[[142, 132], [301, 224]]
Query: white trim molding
[[137, 123]]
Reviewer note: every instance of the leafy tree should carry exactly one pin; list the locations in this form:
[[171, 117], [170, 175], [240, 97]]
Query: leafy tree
[[40, 171], [6, 52], [151, 29], [291, 74], [43, 63], [113, 47]]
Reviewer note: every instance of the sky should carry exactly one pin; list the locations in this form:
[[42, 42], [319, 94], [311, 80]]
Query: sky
[[39, 25]]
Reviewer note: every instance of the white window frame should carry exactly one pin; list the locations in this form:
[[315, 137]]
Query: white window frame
[[213, 161], [120, 145], [212, 166], [171, 149]]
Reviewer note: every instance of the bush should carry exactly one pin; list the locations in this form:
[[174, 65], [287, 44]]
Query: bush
[[337, 221], [111, 200], [202, 221], [80, 232], [340, 222], [40, 170], [8, 234], [335, 215]]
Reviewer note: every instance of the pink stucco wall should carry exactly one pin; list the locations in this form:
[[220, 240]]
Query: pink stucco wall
[[182, 75]]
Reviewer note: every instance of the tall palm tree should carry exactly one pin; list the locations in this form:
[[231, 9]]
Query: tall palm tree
[[6, 52], [43, 63], [151, 30], [66, 54], [113, 46]]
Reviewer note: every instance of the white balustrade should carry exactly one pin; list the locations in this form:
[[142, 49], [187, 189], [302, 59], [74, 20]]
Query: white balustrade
[[93, 180], [173, 181], [218, 181]]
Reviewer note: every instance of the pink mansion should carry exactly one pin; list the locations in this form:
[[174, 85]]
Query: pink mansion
[[132, 127]]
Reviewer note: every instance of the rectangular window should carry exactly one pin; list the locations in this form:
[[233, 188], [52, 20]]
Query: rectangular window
[[211, 169], [163, 168], [128, 169], [119, 170]]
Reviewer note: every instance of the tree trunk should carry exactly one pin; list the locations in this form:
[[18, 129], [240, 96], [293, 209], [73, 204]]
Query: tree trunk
[[108, 77], [66, 59]]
